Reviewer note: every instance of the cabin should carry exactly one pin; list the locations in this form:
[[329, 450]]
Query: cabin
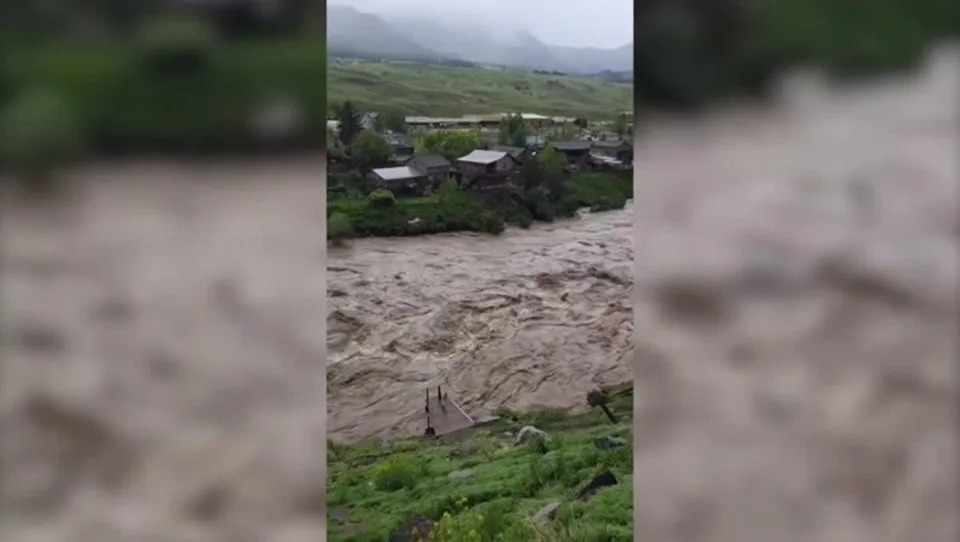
[[617, 149], [577, 152], [434, 166], [486, 169], [517, 153], [402, 181]]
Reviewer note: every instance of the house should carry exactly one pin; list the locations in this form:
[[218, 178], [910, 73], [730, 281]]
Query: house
[[577, 152], [402, 148], [517, 153], [616, 149], [401, 180], [486, 169], [368, 121], [435, 167]]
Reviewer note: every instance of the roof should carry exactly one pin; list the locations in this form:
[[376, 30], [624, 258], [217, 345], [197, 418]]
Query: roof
[[512, 151], [483, 157], [575, 145], [610, 143], [604, 159], [431, 160], [397, 173]]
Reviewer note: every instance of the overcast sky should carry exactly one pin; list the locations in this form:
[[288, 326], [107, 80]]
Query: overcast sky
[[597, 23]]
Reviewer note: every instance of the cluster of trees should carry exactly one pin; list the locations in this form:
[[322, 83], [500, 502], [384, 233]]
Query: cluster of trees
[[359, 148]]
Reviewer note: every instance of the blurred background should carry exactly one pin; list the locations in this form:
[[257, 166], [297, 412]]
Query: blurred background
[[194, 76], [162, 269], [796, 271]]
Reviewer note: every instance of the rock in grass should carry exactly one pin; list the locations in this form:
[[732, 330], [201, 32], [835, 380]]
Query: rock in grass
[[529, 434], [602, 480], [418, 528], [460, 474], [548, 512], [608, 443], [462, 449]]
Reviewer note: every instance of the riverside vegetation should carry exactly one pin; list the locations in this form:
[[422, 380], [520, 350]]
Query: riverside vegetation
[[481, 486], [451, 208]]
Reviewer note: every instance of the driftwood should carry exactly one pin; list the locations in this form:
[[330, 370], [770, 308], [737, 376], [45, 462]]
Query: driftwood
[[597, 398]]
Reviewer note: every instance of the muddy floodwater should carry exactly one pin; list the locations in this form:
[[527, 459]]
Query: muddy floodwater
[[789, 307], [530, 319]]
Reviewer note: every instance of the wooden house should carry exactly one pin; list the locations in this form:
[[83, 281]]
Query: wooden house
[[435, 167], [401, 180], [577, 152], [617, 149], [486, 169]]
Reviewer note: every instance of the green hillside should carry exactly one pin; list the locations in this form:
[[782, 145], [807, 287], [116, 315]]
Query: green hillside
[[425, 89]]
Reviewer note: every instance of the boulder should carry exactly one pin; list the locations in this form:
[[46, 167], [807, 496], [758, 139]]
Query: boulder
[[608, 443], [548, 512], [600, 481], [529, 434]]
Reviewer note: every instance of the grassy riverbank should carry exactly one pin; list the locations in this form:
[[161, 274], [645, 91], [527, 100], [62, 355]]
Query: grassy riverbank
[[480, 487], [467, 211]]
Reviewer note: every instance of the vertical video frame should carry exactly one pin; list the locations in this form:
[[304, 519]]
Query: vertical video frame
[[479, 271]]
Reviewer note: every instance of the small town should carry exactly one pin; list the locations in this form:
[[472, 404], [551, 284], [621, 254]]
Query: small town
[[537, 161]]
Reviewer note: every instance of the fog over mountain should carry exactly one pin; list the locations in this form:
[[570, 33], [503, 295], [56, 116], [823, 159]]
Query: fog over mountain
[[490, 33]]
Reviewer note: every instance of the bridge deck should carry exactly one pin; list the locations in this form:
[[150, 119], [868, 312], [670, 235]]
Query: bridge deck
[[444, 415]]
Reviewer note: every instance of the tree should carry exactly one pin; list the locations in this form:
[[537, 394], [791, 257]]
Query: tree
[[554, 176], [370, 149], [349, 119], [339, 228], [450, 145], [393, 120], [620, 126], [551, 157], [512, 131], [531, 174]]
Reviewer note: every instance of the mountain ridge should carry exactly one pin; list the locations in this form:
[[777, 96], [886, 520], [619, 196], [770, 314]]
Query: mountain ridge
[[407, 37]]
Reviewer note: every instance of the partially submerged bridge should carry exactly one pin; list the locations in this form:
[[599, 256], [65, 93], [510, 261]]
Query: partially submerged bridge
[[444, 415]]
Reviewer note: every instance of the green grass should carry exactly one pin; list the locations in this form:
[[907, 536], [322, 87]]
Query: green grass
[[374, 488], [597, 191], [421, 89]]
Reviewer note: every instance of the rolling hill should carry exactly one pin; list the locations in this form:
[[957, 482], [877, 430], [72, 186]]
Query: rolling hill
[[408, 37]]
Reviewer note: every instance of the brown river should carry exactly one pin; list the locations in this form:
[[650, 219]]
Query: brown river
[[784, 288]]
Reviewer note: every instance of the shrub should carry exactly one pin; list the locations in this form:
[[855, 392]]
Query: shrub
[[488, 222], [339, 228], [175, 45], [382, 198], [396, 473], [609, 203], [38, 134], [540, 205]]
